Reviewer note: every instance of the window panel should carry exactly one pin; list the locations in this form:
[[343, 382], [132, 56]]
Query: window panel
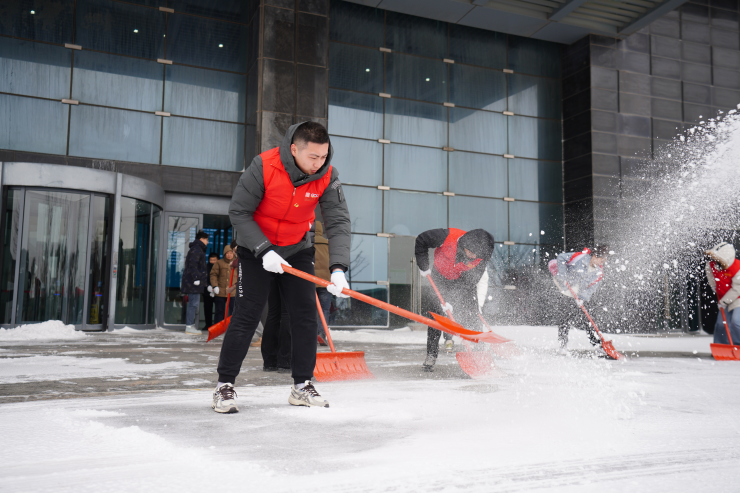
[[111, 80], [534, 96], [415, 168], [355, 115], [133, 256], [51, 21], [479, 131], [227, 10], [203, 144], [416, 35], [355, 68], [411, 213], [359, 162], [368, 259], [356, 24], [477, 88], [532, 56], [203, 93], [411, 122], [416, 78], [527, 220], [534, 138], [365, 209], [478, 174], [468, 213], [34, 69], [120, 28], [114, 134], [207, 43], [34, 125], [535, 180], [477, 46]]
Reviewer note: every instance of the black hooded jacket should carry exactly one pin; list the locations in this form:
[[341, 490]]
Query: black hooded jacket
[[195, 269]]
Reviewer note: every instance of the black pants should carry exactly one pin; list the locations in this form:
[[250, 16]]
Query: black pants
[[252, 290], [572, 317], [465, 312], [276, 341], [208, 309], [221, 308]]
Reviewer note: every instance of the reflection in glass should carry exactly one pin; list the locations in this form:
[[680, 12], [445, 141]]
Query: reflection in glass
[[416, 78], [477, 46], [356, 24], [359, 162], [535, 138], [410, 213], [355, 115], [534, 96], [415, 168], [532, 56], [154, 263], [203, 144], [204, 93], [220, 233], [366, 206], [228, 10], [411, 122], [53, 257], [479, 131], [12, 213], [477, 88], [207, 43], [354, 313], [528, 220], [111, 80], [355, 68], [98, 260], [51, 21], [180, 233], [114, 134], [121, 28], [133, 266], [535, 180], [416, 35], [34, 125], [34, 69], [368, 259], [490, 214], [478, 174]]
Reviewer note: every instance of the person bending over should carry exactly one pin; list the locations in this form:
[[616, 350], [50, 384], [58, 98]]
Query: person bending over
[[723, 275]]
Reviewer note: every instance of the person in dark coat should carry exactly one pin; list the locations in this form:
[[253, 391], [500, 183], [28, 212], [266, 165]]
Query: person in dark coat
[[194, 279], [208, 300]]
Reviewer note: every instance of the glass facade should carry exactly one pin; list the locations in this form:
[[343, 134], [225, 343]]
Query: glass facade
[[135, 60]]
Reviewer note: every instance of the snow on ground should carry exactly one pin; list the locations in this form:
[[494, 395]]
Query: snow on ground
[[51, 330], [550, 423]]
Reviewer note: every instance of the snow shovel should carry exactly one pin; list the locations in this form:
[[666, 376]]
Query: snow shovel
[[339, 366], [606, 345], [440, 323], [504, 349], [725, 352], [474, 363], [219, 328]]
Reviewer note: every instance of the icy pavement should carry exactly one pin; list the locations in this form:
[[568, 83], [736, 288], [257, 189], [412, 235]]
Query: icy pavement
[[667, 420]]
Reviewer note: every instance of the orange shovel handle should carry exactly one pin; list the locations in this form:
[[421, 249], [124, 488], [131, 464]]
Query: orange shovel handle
[[323, 322], [442, 300], [575, 297], [727, 326]]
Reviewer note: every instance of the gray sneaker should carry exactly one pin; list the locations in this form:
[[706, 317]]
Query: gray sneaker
[[224, 399], [192, 329], [429, 363], [307, 396]]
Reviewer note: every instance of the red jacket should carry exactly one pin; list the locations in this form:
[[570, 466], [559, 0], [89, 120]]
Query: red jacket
[[286, 213], [723, 277]]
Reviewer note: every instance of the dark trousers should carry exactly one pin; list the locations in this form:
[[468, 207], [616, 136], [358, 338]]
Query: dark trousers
[[276, 341], [465, 312], [252, 290], [325, 298], [208, 309], [572, 317], [221, 308]]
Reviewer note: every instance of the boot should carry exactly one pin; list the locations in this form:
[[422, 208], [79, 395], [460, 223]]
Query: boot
[[429, 363]]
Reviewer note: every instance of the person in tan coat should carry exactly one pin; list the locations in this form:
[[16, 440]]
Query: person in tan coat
[[321, 267], [220, 274]]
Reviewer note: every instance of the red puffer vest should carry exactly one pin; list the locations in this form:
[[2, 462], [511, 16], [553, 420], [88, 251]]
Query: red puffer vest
[[444, 257], [723, 278], [286, 213]]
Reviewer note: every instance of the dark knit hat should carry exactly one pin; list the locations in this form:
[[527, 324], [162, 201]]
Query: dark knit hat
[[478, 241]]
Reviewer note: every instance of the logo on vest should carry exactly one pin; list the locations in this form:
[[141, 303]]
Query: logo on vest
[[310, 195], [295, 205]]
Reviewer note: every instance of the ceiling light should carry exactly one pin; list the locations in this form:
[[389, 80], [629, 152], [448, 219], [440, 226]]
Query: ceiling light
[[367, 70], [136, 30], [427, 79], [33, 12], [220, 46]]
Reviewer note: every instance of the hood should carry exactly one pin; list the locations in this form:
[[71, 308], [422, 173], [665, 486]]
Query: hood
[[724, 254], [297, 176], [227, 249], [478, 241]]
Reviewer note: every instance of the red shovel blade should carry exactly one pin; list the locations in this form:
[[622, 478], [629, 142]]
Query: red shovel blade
[[477, 364], [332, 367], [725, 352], [609, 350], [218, 329], [469, 335]]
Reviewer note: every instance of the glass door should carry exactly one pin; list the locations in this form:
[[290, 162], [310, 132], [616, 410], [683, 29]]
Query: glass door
[[181, 230]]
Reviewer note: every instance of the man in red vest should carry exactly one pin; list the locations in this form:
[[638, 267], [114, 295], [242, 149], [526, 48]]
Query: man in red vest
[[272, 211], [723, 274], [460, 261]]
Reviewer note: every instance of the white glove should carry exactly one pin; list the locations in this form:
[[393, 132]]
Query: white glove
[[579, 302], [215, 290], [447, 308], [212, 295], [425, 273], [338, 282], [272, 262], [196, 283], [210, 289]]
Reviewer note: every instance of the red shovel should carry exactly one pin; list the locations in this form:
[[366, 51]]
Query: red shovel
[[219, 328], [607, 345], [725, 352]]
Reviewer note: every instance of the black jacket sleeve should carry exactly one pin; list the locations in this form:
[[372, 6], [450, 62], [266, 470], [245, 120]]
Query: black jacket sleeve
[[426, 240]]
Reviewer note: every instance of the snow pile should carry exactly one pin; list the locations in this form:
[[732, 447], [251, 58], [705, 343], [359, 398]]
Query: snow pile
[[51, 330]]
